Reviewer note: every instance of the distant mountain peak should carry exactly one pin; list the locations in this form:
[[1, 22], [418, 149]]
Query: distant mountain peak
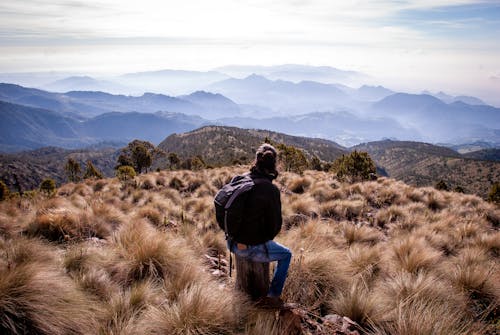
[[257, 77], [204, 94]]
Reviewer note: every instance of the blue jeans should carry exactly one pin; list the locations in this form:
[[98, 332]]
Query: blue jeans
[[269, 251]]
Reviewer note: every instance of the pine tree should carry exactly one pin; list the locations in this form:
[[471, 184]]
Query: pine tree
[[73, 170], [138, 154], [125, 173], [494, 195], [4, 191], [92, 172], [141, 157], [356, 166], [173, 160], [316, 163], [291, 158], [48, 186]]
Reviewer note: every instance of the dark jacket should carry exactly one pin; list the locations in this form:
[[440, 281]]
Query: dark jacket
[[262, 213]]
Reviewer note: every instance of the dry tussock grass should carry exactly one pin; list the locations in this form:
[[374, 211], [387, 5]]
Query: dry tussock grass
[[196, 310], [37, 298], [131, 259], [356, 302]]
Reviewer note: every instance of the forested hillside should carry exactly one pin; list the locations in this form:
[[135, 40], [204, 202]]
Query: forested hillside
[[424, 164], [224, 145]]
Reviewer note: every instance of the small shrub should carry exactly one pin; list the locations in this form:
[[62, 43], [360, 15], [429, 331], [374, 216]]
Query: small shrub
[[441, 186], [48, 187], [291, 158], [99, 185], [4, 191], [148, 184], [356, 166], [299, 185], [176, 183], [125, 174], [92, 172], [73, 170], [494, 194]]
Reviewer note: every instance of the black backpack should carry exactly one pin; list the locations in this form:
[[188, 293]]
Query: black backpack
[[229, 205]]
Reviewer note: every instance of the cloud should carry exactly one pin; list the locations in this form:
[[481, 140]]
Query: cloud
[[410, 39]]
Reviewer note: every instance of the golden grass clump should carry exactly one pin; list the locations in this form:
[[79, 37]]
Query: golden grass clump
[[147, 183], [55, 225], [146, 253], [152, 214], [363, 261], [83, 190], [299, 185], [355, 302], [87, 264], [323, 192], [107, 215], [315, 235], [428, 317], [389, 215], [126, 309], [359, 234], [37, 298], [412, 254], [315, 277], [343, 209], [198, 309], [8, 226], [300, 204], [434, 201]]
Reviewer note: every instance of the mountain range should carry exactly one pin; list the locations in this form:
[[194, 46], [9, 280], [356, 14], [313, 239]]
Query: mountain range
[[24, 128], [96, 116]]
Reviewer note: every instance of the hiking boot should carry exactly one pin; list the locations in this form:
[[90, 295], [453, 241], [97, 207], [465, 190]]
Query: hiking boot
[[270, 303]]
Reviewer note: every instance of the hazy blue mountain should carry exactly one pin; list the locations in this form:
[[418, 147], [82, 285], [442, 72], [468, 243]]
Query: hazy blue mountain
[[93, 103], [85, 83], [372, 93], [492, 154], [462, 98], [282, 96], [296, 73], [464, 148], [438, 121], [172, 82], [23, 127], [214, 105], [33, 79], [342, 127], [57, 102], [147, 103], [469, 100], [144, 126]]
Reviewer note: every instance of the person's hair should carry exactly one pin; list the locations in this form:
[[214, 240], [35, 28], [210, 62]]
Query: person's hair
[[265, 160]]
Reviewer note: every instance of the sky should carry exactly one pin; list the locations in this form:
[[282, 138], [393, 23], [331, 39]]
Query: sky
[[447, 45]]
